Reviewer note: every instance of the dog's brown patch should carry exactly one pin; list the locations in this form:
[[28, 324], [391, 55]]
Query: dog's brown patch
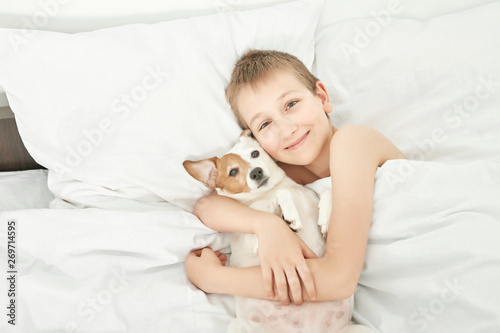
[[232, 184]]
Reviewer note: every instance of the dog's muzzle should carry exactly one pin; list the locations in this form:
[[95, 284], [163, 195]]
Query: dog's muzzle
[[257, 174], [263, 182]]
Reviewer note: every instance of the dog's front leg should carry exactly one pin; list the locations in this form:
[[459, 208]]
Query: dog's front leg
[[325, 211], [289, 210]]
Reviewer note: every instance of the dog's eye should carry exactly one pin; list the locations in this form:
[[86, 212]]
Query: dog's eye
[[233, 172], [255, 154]]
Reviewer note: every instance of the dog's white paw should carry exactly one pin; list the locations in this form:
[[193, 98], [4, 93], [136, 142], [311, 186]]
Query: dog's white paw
[[295, 225], [289, 210], [325, 211]]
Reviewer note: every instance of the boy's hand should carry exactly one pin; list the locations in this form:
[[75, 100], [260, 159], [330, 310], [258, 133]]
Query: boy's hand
[[282, 254], [202, 267]]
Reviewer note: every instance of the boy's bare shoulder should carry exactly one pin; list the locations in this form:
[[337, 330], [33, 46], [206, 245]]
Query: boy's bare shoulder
[[298, 173], [365, 140]]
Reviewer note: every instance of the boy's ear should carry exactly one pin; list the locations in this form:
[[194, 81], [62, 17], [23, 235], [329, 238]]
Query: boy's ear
[[323, 95], [205, 170]]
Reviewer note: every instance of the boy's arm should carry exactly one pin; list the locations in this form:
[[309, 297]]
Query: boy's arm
[[224, 214], [206, 271], [356, 152], [282, 254]]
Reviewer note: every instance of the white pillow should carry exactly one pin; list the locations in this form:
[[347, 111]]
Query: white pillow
[[336, 11], [89, 15], [432, 87], [115, 112]]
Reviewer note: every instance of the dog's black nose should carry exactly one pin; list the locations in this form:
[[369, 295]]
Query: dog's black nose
[[256, 174]]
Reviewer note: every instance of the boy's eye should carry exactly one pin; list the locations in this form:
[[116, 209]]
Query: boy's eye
[[255, 154], [233, 172], [264, 125], [291, 104]]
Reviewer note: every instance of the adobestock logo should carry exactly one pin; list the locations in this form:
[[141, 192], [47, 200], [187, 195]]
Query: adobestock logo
[[426, 314], [48, 9], [122, 106], [471, 103], [89, 309], [364, 36], [452, 119]]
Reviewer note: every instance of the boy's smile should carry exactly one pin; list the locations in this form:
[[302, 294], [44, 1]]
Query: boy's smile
[[286, 118], [299, 142]]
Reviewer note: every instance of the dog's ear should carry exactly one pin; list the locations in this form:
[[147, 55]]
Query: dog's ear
[[247, 134], [205, 171]]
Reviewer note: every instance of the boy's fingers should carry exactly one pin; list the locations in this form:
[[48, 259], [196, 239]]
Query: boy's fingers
[[223, 259], [308, 253], [295, 288], [282, 287], [199, 251], [207, 250], [267, 277], [306, 277]]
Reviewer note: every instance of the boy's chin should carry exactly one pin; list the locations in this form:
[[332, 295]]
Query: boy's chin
[[302, 160]]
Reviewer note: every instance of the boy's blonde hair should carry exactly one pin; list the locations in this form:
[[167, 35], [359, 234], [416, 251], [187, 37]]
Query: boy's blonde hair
[[255, 65]]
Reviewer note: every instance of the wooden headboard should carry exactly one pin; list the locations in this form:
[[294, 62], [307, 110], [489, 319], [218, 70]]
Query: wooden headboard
[[13, 154]]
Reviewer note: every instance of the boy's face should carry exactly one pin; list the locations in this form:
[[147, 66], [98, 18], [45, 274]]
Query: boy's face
[[286, 118]]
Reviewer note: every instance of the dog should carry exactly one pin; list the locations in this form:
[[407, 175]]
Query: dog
[[249, 175]]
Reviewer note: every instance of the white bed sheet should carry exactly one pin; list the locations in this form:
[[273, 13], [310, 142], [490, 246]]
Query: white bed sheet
[[432, 262], [24, 190]]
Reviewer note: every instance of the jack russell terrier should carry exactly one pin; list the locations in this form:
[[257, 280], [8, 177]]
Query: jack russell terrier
[[249, 175]]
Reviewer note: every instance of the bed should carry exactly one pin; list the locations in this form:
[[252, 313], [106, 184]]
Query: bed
[[101, 103]]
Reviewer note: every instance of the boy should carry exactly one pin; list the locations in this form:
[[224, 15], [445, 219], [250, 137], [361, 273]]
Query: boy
[[284, 105]]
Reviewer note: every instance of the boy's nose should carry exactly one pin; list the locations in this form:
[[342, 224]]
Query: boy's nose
[[256, 174], [287, 127]]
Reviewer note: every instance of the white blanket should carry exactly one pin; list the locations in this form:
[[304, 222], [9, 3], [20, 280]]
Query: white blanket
[[432, 262], [433, 257], [109, 271]]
